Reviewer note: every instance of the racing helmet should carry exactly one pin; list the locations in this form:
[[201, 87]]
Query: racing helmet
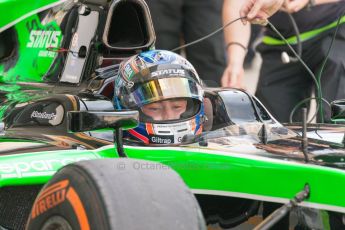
[[154, 82]]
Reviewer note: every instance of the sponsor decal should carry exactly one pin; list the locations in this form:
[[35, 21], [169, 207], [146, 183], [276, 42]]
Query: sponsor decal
[[20, 169], [43, 39], [139, 62], [128, 72], [162, 139], [176, 126], [59, 116], [56, 194], [129, 84], [157, 57], [179, 139], [50, 197], [126, 75], [169, 72], [44, 115], [46, 53]]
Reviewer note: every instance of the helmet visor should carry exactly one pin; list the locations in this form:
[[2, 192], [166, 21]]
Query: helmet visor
[[161, 89]]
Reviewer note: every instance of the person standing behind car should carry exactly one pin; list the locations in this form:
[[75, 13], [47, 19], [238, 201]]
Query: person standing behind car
[[189, 20], [281, 86], [290, 83], [256, 11]]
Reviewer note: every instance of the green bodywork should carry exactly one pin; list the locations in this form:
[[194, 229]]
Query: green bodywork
[[204, 170], [28, 68], [17, 10], [34, 40]]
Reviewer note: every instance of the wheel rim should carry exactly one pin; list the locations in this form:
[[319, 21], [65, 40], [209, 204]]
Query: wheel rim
[[56, 223]]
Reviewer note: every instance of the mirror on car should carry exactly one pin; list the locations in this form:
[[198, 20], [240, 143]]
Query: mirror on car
[[338, 111], [83, 121]]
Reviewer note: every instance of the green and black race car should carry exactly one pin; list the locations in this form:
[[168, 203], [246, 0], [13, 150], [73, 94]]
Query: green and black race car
[[63, 163]]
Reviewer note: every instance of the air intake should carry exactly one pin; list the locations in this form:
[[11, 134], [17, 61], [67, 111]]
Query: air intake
[[128, 26]]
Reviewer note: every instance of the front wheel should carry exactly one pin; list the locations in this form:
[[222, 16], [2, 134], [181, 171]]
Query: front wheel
[[115, 194]]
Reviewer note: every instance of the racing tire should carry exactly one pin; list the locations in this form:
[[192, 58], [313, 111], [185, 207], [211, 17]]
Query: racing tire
[[115, 194]]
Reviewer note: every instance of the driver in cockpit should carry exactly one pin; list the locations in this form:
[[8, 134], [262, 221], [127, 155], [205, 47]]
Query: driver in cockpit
[[166, 90]]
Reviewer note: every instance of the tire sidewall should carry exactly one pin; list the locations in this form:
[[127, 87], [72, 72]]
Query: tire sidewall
[[64, 196]]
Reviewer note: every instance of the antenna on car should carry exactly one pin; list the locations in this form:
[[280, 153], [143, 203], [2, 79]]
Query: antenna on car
[[282, 211], [263, 134]]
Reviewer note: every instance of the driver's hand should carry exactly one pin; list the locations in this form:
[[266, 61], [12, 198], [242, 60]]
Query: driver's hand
[[292, 6], [233, 76], [258, 11]]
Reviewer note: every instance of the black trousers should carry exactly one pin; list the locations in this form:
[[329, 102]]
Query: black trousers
[[282, 86], [188, 20]]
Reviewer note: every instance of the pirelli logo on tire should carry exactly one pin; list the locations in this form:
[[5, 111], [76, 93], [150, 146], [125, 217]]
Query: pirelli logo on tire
[[49, 198], [54, 195]]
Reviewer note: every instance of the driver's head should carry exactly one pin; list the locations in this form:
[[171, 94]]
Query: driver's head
[[166, 90], [166, 110]]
